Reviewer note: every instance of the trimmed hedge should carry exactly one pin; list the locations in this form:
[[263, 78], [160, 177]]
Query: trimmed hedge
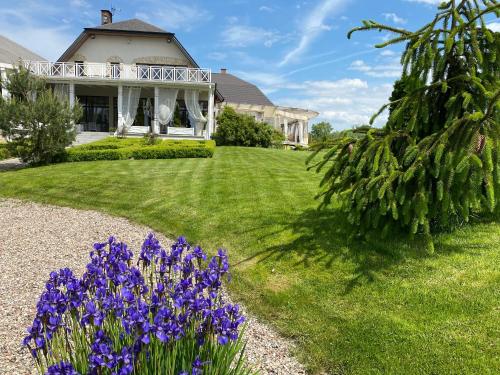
[[123, 149]]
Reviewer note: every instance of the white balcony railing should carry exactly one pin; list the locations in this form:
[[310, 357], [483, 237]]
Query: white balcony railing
[[118, 72]]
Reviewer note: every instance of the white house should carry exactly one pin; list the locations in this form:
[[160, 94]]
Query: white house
[[133, 77]]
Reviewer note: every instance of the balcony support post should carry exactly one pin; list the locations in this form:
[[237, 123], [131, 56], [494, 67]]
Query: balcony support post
[[119, 127], [156, 123], [210, 123], [285, 128], [305, 135], [71, 95], [301, 132]]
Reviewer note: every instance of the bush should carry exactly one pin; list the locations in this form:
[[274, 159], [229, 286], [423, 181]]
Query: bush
[[234, 129], [166, 315], [136, 148], [277, 139], [39, 126], [4, 152]]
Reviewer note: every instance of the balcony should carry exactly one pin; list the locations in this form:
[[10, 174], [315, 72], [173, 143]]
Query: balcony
[[117, 72]]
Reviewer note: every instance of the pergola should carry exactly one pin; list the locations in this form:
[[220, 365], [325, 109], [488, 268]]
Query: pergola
[[295, 124]]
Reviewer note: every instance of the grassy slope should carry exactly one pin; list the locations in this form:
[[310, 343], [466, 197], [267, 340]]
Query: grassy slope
[[352, 307]]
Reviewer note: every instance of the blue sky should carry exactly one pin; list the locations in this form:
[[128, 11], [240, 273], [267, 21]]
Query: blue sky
[[295, 51]]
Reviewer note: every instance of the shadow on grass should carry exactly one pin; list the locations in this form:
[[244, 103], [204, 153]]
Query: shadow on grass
[[323, 237]]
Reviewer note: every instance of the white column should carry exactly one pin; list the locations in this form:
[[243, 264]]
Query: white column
[[3, 79], [301, 132], [285, 128], [120, 106], [306, 132], [156, 123], [71, 95], [210, 123]]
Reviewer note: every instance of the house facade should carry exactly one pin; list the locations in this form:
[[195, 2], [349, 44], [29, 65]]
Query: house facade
[[133, 77]]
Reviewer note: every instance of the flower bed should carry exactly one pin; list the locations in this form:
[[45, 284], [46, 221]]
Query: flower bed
[[137, 148], [165, 315]]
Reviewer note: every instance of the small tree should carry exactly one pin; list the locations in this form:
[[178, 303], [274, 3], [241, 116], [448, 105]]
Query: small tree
[[37, 125], [234, 129], [436, 159], [321, 132]]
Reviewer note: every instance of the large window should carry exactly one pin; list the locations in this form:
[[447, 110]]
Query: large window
[[95, 113]]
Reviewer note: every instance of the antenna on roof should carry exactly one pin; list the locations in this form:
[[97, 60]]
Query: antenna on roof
[[113, 9]]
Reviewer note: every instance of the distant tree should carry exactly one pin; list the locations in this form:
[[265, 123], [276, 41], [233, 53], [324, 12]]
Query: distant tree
[[436, 160], [37, 125], [321, 132]]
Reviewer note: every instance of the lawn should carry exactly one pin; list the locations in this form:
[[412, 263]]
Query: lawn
[[352, 307]]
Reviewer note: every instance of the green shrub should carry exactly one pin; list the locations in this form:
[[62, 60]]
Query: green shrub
[[122, 149], [234, 129], [39, 126], [74, 155], [277, 139], [4, 152]]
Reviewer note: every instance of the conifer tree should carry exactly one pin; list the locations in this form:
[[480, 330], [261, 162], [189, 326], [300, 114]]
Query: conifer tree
[[436, 160]]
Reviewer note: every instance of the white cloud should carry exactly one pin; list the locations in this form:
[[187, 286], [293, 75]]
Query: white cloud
[[175, 15], [313, 26], [80, 3], [387, 70], [394, 18], [217, 56], [345, 102], [22, 24], [265, 8], [244, 36], [494, 26], [387, 53]]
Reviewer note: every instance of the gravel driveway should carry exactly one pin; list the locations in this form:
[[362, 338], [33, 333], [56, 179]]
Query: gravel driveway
[[36, 239]]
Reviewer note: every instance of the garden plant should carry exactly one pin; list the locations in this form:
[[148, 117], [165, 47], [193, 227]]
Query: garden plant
[[164, 315], [435, 163], [37, 124], [235, 129]]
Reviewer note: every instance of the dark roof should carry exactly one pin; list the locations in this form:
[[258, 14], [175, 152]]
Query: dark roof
[[133, 25], [236, 90], [11, 52]]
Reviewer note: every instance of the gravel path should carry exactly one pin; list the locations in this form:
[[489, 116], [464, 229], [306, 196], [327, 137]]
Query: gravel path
[[36, 239]]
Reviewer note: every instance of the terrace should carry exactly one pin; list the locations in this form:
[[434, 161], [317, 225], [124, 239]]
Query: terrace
[[86, 71]]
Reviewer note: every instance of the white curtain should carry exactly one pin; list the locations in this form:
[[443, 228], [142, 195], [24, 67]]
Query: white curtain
[[131, 96], [192, 99], [167, 99], [61, 91]]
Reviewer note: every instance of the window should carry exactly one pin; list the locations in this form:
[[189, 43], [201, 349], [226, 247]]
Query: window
[[95, 113]]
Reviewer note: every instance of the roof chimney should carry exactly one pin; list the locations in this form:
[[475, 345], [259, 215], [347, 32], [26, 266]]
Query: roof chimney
[[223, 70], [106, 17]]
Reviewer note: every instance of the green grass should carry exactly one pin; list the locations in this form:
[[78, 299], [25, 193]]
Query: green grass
[[352, 307]]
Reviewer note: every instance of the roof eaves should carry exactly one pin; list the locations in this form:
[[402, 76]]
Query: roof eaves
[[190, 58], [139, 32]]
